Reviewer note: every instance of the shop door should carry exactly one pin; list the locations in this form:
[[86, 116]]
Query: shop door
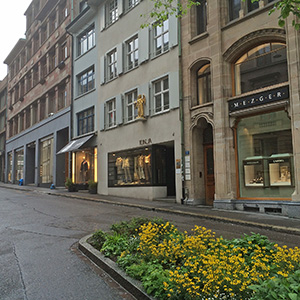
[[170, 172], [209, 174]]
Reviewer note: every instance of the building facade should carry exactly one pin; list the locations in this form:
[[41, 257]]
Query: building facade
[[39, 96], [139, 138], [3, 99], [241, 107], [83, 146]]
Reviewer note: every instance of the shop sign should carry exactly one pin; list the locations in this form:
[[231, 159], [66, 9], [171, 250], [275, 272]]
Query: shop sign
[[145, 142], [259, 99]]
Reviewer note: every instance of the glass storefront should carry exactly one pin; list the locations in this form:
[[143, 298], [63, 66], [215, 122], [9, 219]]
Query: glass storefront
[[9, 167], [85, 166], [46, 161], [265, 156], [19, 165], [137, 167]]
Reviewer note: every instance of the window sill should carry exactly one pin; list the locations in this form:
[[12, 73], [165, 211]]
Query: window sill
[[84, 94], [85, 53], [199, 37], [154, 56], [201, 105], [160, 113]]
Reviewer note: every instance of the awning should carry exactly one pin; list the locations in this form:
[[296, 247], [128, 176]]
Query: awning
[[75, 144]]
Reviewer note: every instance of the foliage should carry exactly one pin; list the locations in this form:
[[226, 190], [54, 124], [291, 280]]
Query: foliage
[[287, 288], [97, 239], [164, 8], [177, 265], [68, 182], [92, 184]]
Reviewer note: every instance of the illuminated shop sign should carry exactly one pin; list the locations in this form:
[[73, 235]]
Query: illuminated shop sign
[[259, 99]]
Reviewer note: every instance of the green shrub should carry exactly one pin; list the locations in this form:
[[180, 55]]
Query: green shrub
[[287, 288], [97, 239], [114, 245]]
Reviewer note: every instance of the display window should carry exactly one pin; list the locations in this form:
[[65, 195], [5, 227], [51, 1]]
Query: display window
[[46, 161], [19, 165], [9, 167], [84, 168], [138, 167], [265, 154]]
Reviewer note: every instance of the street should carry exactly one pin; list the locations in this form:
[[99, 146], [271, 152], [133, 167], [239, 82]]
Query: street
[[38, 255]]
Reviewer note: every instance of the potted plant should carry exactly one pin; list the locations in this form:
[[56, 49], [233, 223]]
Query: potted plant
[[70, 185], [92, 187]]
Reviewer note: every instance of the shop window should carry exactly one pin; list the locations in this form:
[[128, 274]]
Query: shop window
[[265, 156], [46, 161], [85, 166], [234, 9], [85, 121], [86, 40], [204, 84], [161, 95], [132, 57], [137, 167], [9, 167], [19, 165], [161, 38], [86, 81], [262, 66], [201, 16]]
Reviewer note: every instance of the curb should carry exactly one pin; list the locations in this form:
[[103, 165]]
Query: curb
[[132, 286]]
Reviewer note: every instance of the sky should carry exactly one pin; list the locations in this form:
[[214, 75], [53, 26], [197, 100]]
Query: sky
[[12, 28]]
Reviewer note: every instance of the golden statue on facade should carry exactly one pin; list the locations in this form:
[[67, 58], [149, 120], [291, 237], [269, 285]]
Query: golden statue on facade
[[139, 104]]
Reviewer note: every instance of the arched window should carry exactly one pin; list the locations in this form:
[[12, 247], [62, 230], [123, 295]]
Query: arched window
[[262, 66], [204, 84]]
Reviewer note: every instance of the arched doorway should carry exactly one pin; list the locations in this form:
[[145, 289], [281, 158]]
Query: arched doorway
[[204, 181]]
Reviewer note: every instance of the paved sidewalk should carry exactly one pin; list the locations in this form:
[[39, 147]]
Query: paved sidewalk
[[267, 221]]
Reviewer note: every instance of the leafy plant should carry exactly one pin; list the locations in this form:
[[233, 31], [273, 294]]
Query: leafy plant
[[114, 245], [97, 239], [287, 288]]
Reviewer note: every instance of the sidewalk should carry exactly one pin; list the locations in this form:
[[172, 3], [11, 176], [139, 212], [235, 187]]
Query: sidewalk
[[267, 221]]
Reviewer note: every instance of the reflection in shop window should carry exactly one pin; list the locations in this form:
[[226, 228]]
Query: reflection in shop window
[[137, 167], [265, 155], [46, 161], [19, 165], [262, 66]]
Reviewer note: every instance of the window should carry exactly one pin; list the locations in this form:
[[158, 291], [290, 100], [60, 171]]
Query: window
[[204, 84], [252, 5], [112, 12], [234, 9], [82, 5], [52, 22], [131, 111], [112, 64], [52, 59], [85, 121], [86, 40], [132, 56], [46, 161], [201, 16], [265, 151], [86, 81], [62, 97], [161, 38], [51, 103], [161, 95], [262, 66], [130, 4], [111, 113], [42, 108]]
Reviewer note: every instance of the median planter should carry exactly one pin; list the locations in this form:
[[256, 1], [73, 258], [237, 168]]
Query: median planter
[[72, 187]]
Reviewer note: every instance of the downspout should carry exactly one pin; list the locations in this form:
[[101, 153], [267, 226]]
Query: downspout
[[181, 113]]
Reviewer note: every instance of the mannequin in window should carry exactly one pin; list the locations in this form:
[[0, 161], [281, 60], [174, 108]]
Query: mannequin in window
[[84, 168], [141, 167], [147, 161], [119, 162], [126, 168]]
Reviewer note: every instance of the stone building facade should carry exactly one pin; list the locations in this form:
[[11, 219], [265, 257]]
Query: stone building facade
[[39, 95], [3, 99], [241, 107]]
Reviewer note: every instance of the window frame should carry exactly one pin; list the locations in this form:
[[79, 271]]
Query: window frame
[[206, 75], [112, 64], [132, 52], [161, 94], [86, 40], [161, 35], [111, 113], [83, 118], [201, 17], [112, 14], [85, 76], [133, 94]]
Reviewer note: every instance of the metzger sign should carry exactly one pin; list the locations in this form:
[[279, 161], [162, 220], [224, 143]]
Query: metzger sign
[[259, 99]]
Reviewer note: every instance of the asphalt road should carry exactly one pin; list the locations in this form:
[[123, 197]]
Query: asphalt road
[[38, 254]]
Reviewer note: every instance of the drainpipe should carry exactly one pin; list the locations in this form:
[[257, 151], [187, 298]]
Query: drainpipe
[[181, 116]]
